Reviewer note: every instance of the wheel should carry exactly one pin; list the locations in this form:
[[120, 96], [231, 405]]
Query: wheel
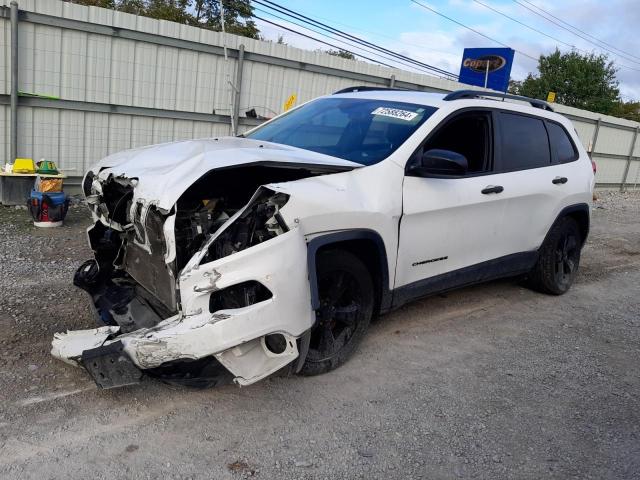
[[346, 306], [559, 258]]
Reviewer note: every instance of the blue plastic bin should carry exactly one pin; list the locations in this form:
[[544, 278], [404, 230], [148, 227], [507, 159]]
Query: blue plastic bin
[[48, 209]]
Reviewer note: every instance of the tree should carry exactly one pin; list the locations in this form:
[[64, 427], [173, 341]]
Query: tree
[[342, 54], [171, 10], [199, 13], [95, 3], [628, 110], [135, 7], [582, 81], [237, 16]]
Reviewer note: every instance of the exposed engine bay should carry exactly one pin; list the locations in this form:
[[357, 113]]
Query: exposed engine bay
[[145, 259], [132, 246]]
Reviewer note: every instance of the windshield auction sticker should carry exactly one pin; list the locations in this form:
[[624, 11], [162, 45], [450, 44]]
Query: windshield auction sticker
[[395, 113]]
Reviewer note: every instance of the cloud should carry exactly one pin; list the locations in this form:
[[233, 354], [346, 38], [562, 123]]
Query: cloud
[[432, 39]]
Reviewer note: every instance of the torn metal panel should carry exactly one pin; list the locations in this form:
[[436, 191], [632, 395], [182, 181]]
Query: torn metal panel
[[193, 258], [199, 332], [254, 360], [165, 171], [69, 346], [274, 264]]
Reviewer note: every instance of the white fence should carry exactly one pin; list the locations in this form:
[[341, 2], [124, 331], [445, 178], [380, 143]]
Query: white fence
[[93, 81]]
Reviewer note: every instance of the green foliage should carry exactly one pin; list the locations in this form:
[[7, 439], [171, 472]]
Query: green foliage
[[342, 54], [135, 7], [582, 81], [95, 3], [237, 16], [628, 110], [171, 10], [198, 13]]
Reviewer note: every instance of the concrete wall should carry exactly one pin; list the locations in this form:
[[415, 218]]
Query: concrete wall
[[121, 81]]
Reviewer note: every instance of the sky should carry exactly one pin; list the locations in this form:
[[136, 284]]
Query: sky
[[414, 31]]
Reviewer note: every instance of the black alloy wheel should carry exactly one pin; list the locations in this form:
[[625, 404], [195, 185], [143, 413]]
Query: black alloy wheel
[[567, 256], [346, 305], [559, 258]]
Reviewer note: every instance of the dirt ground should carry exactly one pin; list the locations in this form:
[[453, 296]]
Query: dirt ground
[[494, 381]]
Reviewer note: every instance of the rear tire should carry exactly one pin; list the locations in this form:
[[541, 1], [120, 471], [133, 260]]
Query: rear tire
[[559, 259], [346, 295]]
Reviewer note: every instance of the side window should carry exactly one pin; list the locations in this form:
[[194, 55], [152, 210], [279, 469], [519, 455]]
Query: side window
[[468, 134], [561, 144], [524, 142]]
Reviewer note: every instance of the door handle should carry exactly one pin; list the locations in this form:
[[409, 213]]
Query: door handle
[[559, 180], [492, 189]]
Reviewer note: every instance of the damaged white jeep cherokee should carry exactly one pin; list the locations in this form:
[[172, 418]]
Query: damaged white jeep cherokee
[[236, 257]]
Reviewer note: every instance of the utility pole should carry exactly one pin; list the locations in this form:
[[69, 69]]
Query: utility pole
[[232, 88], [14, 82]]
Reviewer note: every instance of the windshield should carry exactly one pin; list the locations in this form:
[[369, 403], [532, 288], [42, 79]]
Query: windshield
[[361, 130]]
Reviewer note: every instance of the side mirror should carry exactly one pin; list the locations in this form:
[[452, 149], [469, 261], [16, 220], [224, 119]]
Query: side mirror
[[436, 162]]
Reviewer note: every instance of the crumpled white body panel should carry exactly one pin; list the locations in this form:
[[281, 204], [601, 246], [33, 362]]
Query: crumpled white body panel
[[325, 203], [69, 346], [235, 337], [165, 171]]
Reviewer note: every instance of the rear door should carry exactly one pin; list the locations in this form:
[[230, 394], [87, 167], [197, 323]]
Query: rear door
[[535, 182]]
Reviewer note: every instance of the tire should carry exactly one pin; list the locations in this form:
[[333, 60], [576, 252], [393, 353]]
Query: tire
[[557, 265], [346, 307]]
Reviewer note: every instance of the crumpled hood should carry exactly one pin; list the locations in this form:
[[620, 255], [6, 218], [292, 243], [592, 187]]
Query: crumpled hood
[[165, 171]]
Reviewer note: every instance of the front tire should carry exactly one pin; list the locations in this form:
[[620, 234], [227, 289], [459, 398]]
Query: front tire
[[346, 295], [559, 259]]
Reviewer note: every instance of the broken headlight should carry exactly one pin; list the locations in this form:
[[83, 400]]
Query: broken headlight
[[259, 222]]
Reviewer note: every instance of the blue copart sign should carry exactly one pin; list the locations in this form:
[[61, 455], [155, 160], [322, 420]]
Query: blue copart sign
[[488, 67]]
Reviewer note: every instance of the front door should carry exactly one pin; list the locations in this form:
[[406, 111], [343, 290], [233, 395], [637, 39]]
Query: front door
[[456, 222]]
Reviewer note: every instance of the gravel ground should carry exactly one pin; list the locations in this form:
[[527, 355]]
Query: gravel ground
[[493, 381]]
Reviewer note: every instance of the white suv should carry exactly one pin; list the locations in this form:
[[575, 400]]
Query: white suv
[[236, 257]]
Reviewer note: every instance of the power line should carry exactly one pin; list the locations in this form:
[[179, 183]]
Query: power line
[[581, 31], [335, 31], [353, 38], [541, 32], [538, 31], [471, 29], [580, 36], [524, 24], [321, 41], [343, 41], [427, 69], [374, 33]]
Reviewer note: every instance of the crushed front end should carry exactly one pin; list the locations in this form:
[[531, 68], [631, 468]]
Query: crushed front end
[[211, 288]]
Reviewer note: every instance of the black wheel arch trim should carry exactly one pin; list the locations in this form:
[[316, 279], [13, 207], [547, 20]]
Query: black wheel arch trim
[[337, 237], [578, 207]]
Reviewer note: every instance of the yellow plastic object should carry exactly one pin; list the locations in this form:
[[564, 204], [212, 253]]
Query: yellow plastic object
[[24, 165]]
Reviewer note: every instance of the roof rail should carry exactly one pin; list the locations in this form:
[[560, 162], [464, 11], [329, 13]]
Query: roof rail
[[365, 88], [465, 94]]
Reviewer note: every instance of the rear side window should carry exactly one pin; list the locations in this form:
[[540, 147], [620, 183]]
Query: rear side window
[[561, 144], [524, 142]]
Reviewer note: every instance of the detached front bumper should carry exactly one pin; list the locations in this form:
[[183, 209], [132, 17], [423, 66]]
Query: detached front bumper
[[241, 339]]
